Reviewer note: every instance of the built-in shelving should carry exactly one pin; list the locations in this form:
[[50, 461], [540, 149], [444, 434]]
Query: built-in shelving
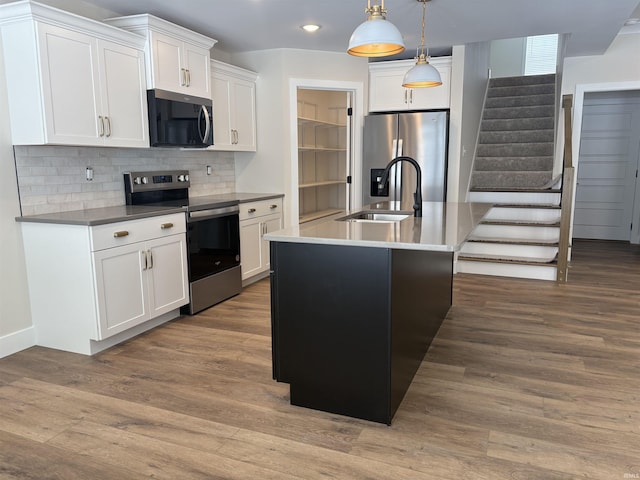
[[323, 153]]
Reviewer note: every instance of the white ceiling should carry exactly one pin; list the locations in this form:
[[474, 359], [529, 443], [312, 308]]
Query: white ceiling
[[245, 25]]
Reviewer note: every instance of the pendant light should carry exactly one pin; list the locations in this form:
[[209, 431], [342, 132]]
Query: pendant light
[[376, 37], [422, 74]]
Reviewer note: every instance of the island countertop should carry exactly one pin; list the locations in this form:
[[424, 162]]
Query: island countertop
[[444, 226]]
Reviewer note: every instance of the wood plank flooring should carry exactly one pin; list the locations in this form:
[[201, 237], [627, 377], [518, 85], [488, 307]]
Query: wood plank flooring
[[525, 380]]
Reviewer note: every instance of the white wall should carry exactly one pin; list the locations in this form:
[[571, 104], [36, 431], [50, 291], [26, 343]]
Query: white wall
[[269, 169], [15, 316], [620, 63], [508, 57], [469, 78]]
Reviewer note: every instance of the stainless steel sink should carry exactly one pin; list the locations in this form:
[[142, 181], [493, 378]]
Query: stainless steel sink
[[375, 217]]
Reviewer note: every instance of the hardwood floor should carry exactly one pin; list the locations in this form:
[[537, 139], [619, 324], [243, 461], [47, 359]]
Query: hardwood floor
[[525, 380]]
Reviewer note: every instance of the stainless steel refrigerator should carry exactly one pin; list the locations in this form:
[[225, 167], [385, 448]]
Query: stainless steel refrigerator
[[422, 136]]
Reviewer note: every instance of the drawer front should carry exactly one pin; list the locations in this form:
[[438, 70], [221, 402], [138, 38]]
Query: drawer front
[[132, 231], [261, 208]]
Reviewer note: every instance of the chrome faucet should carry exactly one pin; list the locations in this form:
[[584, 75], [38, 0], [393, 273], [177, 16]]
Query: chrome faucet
[[417, 196]]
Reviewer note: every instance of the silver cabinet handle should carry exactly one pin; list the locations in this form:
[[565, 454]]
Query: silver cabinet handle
[[121, 233], [150, 259], [108, 122], [166, 225], [411, 95], [272, 207], [101, 126], [207, 123], [183, 77], [405, 96], [252, 210], [237, 137], [188, 77], [143, 257]]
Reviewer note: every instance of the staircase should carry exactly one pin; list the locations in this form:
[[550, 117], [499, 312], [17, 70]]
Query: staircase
[[513, 170]]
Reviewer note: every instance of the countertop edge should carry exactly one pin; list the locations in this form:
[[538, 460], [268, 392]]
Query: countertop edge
[[274, 237], [98, 221]]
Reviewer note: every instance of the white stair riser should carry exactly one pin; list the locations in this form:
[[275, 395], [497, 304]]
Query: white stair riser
[[524, 214], [518, 198], [513, 232], [538, 272], [523, 251]]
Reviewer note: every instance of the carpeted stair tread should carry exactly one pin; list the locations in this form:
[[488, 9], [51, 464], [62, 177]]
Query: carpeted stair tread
[[550, 206], [512, 91], [478, 257], [518, 112], [532, 163], [527, 149], [523, 80], [522, 223], [514, 241], [516, 190], [520, 101], [517, 136], [514, 124]]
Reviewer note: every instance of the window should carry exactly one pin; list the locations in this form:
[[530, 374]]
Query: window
[[541, 54]]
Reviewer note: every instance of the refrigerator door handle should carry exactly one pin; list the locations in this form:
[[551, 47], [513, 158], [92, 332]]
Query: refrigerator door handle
[[394, 149], [399, 148]]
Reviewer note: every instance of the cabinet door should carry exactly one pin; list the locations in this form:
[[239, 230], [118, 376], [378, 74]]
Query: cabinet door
[[386, 91], [251, 250], [70, 86], [123, 96], [167, 274], [244, 114], [198, 71], [120, 286], [167, 63], [435, 97], [271, 223], [221, 90]]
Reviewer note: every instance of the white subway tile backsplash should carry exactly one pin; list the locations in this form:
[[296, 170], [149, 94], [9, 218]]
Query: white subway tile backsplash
[[52, 178]]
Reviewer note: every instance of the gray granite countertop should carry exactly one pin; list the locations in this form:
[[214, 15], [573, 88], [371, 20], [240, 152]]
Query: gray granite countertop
[[442, 227], [101, 216], [122, 213]]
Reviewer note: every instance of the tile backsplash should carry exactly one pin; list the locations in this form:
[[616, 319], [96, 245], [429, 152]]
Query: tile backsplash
[[53, 178]]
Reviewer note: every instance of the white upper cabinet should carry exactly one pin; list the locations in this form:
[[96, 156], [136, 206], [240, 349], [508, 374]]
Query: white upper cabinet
[[72, 81], [234, 108], [386, 92], [177, 58]]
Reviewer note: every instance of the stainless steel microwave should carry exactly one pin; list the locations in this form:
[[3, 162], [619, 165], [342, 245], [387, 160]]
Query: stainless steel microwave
[[177, 120]]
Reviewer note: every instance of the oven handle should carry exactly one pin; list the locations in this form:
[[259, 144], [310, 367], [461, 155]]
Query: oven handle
[[199, 215]]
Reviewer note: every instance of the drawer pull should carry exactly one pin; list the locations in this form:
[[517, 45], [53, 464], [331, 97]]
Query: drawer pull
[[121, 233], [166, 225], [272, 207], [252, 210]]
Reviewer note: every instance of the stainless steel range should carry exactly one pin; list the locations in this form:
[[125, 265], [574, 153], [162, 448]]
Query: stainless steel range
[[213, 233]]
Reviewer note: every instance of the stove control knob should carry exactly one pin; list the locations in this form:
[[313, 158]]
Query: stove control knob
[[137, 181], [181, 178], [186, 178], [145, 180]]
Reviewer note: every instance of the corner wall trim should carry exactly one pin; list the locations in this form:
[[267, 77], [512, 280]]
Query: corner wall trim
[[17, 341]]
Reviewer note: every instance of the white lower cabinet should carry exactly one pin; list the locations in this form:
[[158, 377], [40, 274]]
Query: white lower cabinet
[[256, 220], [92, 287]]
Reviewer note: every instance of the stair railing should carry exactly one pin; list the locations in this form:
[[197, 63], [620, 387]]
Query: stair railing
[[566, 200]]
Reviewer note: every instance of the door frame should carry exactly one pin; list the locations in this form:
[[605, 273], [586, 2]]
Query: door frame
[[578, 107], [357, 92]]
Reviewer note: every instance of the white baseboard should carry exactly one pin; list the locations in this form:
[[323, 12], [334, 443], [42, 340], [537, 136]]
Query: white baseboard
[[16, 341]]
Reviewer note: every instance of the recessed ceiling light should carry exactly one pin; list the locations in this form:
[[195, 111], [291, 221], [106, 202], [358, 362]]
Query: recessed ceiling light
[[310, 28]]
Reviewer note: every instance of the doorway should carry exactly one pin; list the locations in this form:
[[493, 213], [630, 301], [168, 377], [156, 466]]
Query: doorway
[[324, 152], [607, 205], [346, 114]]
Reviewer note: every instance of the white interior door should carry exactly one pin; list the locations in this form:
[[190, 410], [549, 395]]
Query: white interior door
[[606, 199]]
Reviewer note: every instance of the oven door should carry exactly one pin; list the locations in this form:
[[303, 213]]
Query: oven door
[[213, 239]]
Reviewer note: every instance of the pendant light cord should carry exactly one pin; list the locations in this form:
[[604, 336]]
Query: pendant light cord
[[424, 12]]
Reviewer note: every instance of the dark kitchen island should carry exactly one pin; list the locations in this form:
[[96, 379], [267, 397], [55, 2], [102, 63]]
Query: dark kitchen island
[[356, 303]]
